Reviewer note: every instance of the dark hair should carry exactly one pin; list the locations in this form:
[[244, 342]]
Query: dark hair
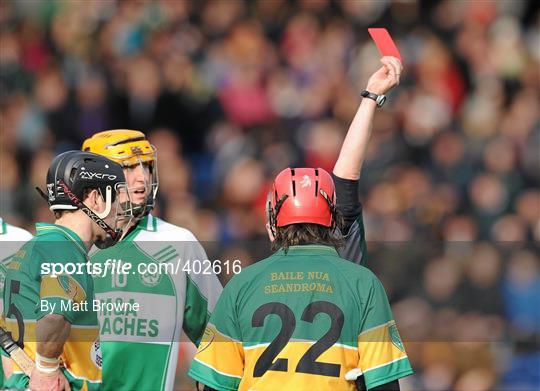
[[307, 233], [59, 213]]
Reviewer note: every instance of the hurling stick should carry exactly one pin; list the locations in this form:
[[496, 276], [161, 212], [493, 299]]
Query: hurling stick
[[15, 352]]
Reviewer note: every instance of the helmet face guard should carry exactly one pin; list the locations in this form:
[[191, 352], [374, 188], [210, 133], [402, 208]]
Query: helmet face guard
[[150, 186], [301, 195], [129, 148]]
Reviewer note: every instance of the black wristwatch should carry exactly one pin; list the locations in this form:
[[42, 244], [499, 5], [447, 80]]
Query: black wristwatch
[[379, 99]]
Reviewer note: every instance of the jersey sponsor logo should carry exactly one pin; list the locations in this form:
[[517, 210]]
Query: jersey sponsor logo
[[395, 338], [305, 182], [129, 326], [140, 321], [96, 175]]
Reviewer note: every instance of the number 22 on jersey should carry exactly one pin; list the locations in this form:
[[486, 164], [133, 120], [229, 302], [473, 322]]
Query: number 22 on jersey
[[308, 363]]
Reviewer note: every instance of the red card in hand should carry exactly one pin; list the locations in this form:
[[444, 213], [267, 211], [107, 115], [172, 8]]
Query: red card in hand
[[384, 42]]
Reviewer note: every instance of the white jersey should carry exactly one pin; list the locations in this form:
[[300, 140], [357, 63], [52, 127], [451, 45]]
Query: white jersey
[[144, 310]]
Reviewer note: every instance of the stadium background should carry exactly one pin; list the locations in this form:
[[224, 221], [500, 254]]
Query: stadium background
[[231, 92]]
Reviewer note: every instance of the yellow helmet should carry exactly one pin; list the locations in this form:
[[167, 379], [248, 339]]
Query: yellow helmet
[[128, 148]]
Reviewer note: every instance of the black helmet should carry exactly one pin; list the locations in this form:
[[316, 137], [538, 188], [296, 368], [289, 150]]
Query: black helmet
[[80, 171], [72, 173]]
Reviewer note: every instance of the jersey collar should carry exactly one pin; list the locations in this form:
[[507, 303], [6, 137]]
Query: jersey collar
[[44, 228], [310, 249], [147, 223]]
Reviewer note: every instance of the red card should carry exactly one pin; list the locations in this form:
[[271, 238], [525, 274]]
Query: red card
[[384, 42]]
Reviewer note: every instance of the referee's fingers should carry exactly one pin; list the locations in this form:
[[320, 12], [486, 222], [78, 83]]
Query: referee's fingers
[[398, 67], [388, 65], [393, 69], [395, 62]]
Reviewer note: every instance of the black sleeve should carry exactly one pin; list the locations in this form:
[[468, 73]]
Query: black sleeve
[[347, 201], [392, 386]]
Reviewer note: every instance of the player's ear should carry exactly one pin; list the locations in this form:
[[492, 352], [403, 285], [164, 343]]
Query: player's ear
[[94, 201], [270, 233]]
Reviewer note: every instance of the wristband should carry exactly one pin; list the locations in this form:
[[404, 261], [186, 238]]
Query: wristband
[[46, 364], [379, 99]]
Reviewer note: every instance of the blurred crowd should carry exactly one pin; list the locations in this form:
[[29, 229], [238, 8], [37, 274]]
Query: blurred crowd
[[231, 92]]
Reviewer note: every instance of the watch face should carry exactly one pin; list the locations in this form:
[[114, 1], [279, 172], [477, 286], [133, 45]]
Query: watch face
[[380, 100]]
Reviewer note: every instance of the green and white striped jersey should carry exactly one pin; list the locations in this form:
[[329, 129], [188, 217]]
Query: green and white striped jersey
[[140, 345]]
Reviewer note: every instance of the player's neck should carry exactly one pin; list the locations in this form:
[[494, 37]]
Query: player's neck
[[79, 223]]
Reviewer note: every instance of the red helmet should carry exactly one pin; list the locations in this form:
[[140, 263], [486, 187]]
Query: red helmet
[[301, 195]]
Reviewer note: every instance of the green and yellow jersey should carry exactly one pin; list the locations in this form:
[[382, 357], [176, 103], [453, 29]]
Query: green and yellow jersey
[[30, 295], [300, 321], [11, 239]]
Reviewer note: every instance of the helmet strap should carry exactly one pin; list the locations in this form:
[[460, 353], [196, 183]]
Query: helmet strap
[[108, 203], [114, 234], [42, 194]]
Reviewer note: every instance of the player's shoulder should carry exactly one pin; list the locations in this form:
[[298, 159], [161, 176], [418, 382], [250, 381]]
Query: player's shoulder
[[347, 266], [11, 232], [30, 252], [352, 271], [155, 235]]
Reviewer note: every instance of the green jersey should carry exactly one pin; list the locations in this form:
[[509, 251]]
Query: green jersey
[[299, 319], [144, 311], [12, 238], [32, 292]]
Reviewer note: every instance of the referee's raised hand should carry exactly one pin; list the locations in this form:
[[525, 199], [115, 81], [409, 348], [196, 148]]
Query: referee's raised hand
[[386, 77]]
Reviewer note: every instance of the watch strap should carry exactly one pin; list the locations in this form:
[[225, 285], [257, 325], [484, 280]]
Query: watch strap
[[379, 99]]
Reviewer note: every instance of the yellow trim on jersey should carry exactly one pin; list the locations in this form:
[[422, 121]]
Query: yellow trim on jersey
[[224, 358], [63, 286], [80, 363], [377, 349], [221, 353]]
